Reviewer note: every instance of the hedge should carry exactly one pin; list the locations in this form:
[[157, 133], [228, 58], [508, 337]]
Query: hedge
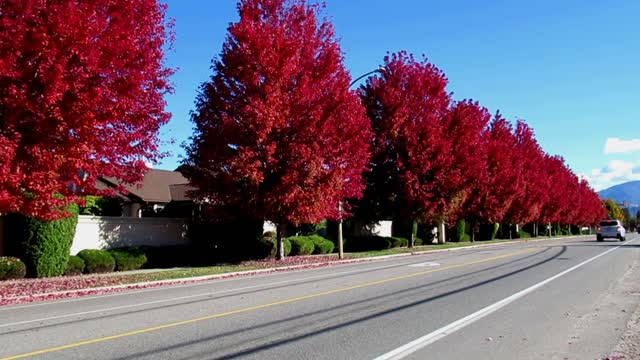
[[287, 247], [12, 268], [45, 245], [75, 266], [128, 258], [97, 261], [523, 235], [398, 241], [301, 245], [321, 245]]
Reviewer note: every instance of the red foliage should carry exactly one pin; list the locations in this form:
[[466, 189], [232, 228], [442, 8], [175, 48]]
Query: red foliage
[[505, 180], [82, 85], [468, 175], [407, 105], [529, 157], [278, 134]]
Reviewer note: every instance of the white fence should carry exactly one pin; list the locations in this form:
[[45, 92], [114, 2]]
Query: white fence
[[102, 232], [382, 228]]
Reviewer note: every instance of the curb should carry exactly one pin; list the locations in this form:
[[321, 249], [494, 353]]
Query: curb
[[197, 279]]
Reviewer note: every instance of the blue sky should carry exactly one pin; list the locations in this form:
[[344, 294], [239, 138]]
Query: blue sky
[[570, 68]]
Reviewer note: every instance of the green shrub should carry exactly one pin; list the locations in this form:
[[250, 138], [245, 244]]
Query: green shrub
[[418, 241], [301, 245], [273, 246], [101, 206], [75, 266], [321, 245], [523, 235], [97, 261], [398, 241], [46, 244], [494, 232], [128, 258], [11, 268], [459, 234]]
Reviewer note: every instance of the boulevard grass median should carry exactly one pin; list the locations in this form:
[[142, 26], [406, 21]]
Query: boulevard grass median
[[17, 291]]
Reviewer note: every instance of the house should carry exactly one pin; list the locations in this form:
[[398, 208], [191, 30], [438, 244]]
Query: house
[[161, 193]]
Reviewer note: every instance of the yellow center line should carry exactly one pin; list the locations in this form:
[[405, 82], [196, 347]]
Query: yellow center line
[[257, 307]]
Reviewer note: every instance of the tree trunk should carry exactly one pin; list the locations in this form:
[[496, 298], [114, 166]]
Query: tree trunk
[[414, 230], [473, 230], [279, 243], [340, 241], [510, 235]]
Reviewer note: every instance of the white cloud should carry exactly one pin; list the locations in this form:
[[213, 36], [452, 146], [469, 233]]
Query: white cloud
[[616, 146], [616, 172]]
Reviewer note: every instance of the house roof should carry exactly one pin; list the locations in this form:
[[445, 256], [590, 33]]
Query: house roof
[[158, 186], [179, 192]]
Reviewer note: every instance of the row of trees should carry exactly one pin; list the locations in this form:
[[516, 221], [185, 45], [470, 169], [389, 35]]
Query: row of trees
[[278, 133], [280, 136]]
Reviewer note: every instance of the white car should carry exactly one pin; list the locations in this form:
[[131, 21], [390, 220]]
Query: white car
[[612, 229]]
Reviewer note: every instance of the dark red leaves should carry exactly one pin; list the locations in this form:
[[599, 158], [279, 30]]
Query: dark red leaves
[[82, 87], [278, 133]]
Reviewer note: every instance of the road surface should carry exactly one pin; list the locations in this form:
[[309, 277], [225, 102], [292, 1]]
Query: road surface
[[552, 299]]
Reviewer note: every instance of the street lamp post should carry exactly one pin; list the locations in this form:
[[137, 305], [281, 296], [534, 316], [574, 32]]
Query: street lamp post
[[340, 239], [378, 70]]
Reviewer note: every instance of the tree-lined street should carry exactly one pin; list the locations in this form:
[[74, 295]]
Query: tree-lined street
[[359, 311]]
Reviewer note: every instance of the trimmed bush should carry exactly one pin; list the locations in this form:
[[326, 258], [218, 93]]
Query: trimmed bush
[[459, 234], [97, 261], [46, 244], [128, 258], [321, 245], [398, 241], [523, 235], [287, 247], [11, 268], [494, 232], [418, 241], [75, 266], [101, 206], [301, 245], [273, 246]]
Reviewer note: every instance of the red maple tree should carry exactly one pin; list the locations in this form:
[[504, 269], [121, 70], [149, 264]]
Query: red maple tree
[[407, 104], [506, 180], [81, 96], [527, 205], [466, 125], [278, 134]]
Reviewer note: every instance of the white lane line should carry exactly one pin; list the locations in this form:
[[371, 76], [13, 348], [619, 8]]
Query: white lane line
[[303, 280], [425, 264], [434, 336]]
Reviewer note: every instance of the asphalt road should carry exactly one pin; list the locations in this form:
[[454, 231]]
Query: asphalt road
[[554, 299]]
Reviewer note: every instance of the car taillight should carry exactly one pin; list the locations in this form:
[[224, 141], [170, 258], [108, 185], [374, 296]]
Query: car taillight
[[598, 228], [618, 227]]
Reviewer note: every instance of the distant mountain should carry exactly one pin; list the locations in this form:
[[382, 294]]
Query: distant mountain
[[629, 191]]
